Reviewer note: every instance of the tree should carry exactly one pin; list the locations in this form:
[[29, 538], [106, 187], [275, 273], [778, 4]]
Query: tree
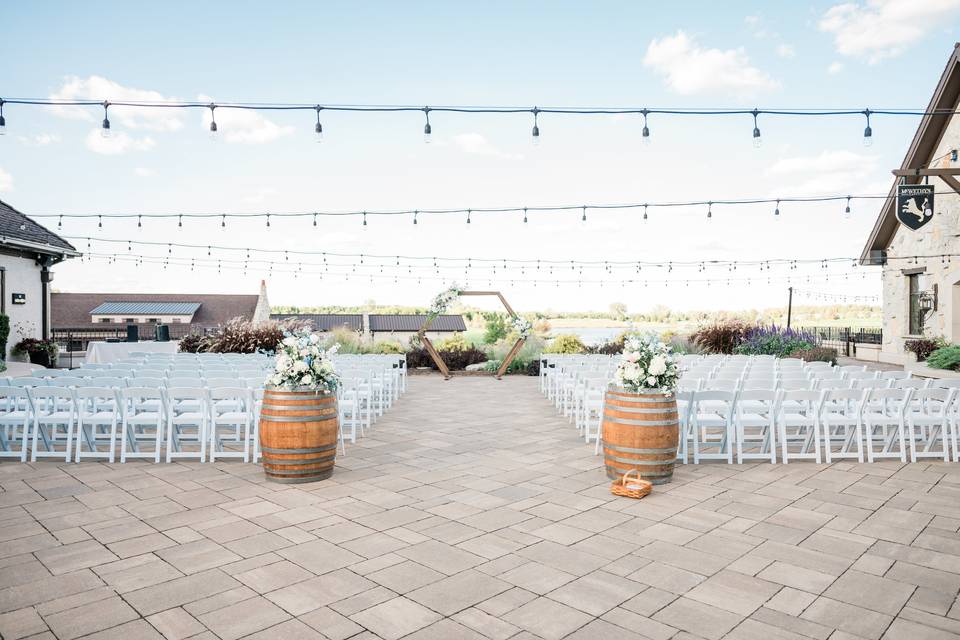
[[496, 328], [618, 310]]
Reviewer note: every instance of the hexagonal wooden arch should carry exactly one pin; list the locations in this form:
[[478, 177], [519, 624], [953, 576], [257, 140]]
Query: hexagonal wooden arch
[[442, 366]]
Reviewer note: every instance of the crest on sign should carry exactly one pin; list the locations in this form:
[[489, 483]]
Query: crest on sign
[[914, 204]]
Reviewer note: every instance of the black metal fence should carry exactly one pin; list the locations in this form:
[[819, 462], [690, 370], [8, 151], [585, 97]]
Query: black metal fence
[[73, 339], [845, 339]]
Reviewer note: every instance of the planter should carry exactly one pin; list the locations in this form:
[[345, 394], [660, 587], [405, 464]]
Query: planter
[[298, 434], [41, 358], [640, 432]]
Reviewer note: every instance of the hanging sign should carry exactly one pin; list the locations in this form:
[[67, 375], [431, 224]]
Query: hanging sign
[[914, 204]]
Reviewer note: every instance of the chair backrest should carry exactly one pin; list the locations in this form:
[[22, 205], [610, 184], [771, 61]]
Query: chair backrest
[[722, 384], [899, 398], [770, 397], [712, 395], [807, 396], [141, 393], [184, 382], [946, 383], [149, 373], [99, 395], [50, 393], [27, 382], [871, 383], [105, 381], [214, 383], [860, 375], [68, 381], [175, 394], [826, 385], [836, 397], [13, 393], [895, 375], [759, 384], [911, 383], [795, 383], [146, 382]]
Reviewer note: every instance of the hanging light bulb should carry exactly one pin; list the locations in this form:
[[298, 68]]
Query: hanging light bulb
[[213, 122], [524, 219], [105, 127], [3, 121], [709, 210], [645, 136], [868, 132], [846, 211], [644, 212], [536, 128], [364, 228], [427, 129], [318, 128], [757, 140], [414, 217], [583, 218], [776, 212], [468, 218]]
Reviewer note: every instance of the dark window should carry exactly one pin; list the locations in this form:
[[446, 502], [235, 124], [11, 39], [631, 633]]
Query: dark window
[[104, 320], [154, 320], [917, 314], [129, 321]]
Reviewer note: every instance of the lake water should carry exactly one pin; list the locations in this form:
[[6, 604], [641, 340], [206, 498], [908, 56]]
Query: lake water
[[590, 335]]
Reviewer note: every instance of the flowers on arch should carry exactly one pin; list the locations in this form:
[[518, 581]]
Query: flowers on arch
[[301, 361], [443, 300], [647, 364], [522, 326]]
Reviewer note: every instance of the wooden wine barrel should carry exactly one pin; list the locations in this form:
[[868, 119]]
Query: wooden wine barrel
[[640, 431], [298, 434]]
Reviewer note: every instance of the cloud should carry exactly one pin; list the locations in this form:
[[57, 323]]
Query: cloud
[[476, 143], [6, 181], [882, 29], [100, 88], [785, 50], [39, 140], [835, 68], [828, 172], [144, 172], [690, 69], [243, 125], [119, 142]]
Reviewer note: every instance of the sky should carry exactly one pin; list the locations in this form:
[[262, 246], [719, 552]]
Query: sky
[[800, 55]]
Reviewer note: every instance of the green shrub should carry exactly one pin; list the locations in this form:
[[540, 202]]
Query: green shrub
[[388, 347], [816, 354], [4, 334], [496, 328], [455, 360], [348, 341], [565, 343], [945, 358], [775, 341], [3, 366], [456, 342]]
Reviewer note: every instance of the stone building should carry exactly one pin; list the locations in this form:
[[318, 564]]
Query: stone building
[[921, 268]]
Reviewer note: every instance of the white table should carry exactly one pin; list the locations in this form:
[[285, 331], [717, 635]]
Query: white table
[[105, 352]]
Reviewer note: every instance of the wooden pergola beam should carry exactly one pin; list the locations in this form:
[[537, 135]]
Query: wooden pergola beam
[[947, 175]]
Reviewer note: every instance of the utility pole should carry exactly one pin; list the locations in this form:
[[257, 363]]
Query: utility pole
[[789, 305]]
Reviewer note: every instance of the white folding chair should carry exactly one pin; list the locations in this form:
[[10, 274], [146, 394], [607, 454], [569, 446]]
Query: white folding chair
[[187, 415], [141, 410], [928, 422], [797, 425], [841, 416], [712, 425], [230, 408], [755, 421], [98, 414], [16, 418], [53, 407], [884, 419]]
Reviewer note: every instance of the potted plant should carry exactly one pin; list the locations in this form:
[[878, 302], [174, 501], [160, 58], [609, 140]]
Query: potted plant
[[42, 352], [299, 420], [640, 429]]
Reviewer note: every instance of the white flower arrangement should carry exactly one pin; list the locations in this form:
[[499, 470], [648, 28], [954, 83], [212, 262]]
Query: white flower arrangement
[[521, 325], [301, 361], [443, 300], [647, 363]]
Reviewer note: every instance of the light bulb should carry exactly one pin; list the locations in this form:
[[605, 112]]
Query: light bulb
[[757, 140], [645, 136], [318, 132], [536, 135], [105, 129], [868, 136], [427, 131]]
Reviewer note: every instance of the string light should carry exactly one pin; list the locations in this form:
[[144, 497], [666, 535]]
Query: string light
[[609, 207], [427, 130], [846, 211], [868, 132], [757, 141], [645, 135], [709, 210], [105, 126], [701, 112], [318, 128], [776, 212], [536, 129], [584, 217], [213, 122]]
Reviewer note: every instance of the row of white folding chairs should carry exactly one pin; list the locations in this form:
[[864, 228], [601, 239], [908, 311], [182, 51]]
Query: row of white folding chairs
[[118, 382], [57, 422], [691, 382], [858, 424]]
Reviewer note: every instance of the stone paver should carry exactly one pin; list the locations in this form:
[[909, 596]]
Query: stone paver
[[471, 510]]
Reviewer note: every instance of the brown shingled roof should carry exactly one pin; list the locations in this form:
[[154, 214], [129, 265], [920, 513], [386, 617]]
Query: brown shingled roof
[[73, 309]]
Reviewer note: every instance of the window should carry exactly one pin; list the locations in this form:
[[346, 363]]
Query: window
[[129, 321], [153, 320], [105, 320], [177, 320], [915, 325]]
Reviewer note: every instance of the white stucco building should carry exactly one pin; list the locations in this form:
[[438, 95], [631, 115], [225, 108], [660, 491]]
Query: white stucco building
[[28, 251], [921, 268]]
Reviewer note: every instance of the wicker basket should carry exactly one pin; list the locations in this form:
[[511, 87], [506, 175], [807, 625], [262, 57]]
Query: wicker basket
[[631, 487]]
